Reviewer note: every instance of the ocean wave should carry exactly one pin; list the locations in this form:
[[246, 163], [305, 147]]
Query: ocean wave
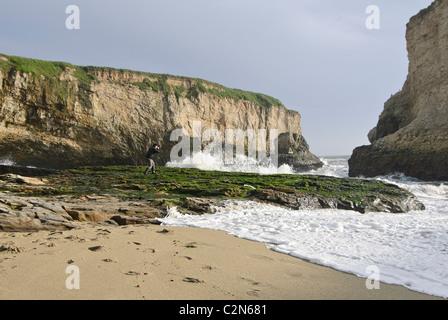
[[407, 249], [423, 189], [241, 163], [7, 161]]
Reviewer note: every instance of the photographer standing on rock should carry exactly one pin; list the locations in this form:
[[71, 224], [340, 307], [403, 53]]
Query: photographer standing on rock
[[151, 152]]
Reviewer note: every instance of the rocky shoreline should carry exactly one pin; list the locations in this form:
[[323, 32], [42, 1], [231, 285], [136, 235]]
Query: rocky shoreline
[[26, 171], [122, 195]]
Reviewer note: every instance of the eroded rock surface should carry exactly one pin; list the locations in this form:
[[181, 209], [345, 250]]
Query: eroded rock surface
[[412, 132]]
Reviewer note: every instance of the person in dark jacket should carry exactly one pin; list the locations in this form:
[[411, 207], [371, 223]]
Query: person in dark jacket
[[151, 164]]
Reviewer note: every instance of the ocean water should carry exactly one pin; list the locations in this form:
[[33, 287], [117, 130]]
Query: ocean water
[[7, 161], [241, 163], [408, 249]]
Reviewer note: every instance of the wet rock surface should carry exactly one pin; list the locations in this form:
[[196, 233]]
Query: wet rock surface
[[120, 196]]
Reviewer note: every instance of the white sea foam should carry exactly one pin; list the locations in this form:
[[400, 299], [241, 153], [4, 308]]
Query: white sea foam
[[205, 161], [335, 166], [7, 161], [408, 249]]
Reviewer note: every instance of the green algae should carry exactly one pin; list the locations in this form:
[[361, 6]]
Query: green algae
[[129, 182]]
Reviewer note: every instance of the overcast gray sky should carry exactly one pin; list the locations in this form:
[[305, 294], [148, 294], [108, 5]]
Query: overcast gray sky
[[318, 57]]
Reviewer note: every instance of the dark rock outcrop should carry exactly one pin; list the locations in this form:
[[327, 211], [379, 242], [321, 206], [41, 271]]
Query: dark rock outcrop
[[25, 171], [412, 132], [401, 202], [293, 150]]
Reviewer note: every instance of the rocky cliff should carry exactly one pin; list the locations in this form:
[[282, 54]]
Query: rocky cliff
[[412, 132], [57, 115]]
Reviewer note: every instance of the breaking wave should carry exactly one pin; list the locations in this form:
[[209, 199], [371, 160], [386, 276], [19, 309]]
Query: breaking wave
[[407, 249]]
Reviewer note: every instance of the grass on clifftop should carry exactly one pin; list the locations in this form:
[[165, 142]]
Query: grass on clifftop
[[173, 184], [49, 69], [52, 70]]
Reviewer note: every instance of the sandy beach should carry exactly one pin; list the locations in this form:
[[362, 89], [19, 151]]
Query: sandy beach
[[144, 262]]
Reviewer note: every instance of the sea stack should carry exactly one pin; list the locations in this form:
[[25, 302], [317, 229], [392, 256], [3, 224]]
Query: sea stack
[[411, 136], [57, 115]]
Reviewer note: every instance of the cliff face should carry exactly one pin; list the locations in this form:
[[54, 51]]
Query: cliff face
[[412, 132], [58, 115]]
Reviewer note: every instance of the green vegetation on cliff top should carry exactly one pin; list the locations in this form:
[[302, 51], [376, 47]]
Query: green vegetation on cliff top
[[52, 70], [49, 69]]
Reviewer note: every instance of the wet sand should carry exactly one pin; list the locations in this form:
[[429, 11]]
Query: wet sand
[[167, 263]]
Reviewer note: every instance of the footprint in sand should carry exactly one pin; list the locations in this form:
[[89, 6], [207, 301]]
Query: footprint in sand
[[98, 248], [135, 273], [55, 233], [4, 259], [75, 238], [261, 257], [191, 245], [164, 231], [104, 231], [253, 293], [48, 244], [208, 268], [192, 280], [252, 282], [10, 247]]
